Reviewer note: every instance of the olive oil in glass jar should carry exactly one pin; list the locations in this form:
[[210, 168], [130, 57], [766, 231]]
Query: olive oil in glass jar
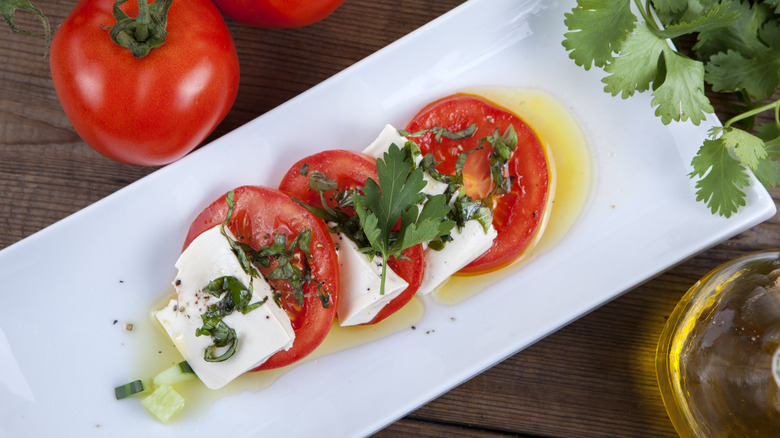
[[718, 359]]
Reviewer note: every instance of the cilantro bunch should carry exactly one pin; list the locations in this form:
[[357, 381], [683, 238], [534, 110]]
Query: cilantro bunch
[[736, 50]]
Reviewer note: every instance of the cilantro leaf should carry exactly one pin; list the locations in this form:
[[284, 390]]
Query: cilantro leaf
[[737, 50], [756, 75], [719, 15], [748, 148], [742, 34], [637, 65], [722, 178], [681, 95], [768, 131], [768, 170], [775, 3], [670, 6], [770, 34], [597, 30]]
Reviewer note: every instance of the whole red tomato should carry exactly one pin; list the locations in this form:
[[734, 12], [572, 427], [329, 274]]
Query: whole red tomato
[[278, 13], [151, 110]]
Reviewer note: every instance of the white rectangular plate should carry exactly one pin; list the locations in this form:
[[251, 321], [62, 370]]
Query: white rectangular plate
[[62, 288]]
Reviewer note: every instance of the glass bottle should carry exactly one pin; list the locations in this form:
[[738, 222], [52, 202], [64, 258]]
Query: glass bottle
[[718, 358]]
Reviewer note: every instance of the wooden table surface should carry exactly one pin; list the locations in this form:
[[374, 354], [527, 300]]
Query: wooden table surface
[[593, 378]]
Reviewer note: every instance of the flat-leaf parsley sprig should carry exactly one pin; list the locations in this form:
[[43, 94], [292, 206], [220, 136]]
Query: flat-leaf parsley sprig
[[391, 214], [737, 50], [396, 197]]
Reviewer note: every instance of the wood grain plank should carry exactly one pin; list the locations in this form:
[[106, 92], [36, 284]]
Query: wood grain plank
[[411, 428], [593, 378]]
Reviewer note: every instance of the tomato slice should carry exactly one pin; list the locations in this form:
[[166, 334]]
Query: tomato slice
[[517, 214], [350, 170], [258, 214]]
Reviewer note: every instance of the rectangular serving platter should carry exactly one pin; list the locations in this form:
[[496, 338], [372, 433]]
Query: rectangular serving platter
[[63, 345]]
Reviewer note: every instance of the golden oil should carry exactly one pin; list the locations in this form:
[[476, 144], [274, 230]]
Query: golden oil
[[717, 358], [569, 159]]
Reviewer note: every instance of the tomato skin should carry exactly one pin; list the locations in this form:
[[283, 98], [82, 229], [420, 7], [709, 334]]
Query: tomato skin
[[145, 111], [517, 214], [258, 213], [278, 13], [349, 170]]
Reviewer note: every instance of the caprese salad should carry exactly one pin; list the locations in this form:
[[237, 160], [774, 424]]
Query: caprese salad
[[349, 237]]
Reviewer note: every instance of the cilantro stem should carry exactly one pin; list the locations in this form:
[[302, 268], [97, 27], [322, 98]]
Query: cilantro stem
[[777, 115], [747, 114], [648, 17]]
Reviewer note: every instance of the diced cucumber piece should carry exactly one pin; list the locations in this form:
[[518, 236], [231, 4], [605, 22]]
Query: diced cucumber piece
[[178, 373], [163, 403], [185, 367], [129, 389]]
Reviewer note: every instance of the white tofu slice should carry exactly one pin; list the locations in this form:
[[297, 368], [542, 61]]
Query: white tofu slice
[[466, 245], [390, 135], [359, 298], [261, 332]]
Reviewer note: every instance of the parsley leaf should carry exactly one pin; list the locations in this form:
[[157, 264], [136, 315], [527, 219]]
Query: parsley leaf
[[396, 198]]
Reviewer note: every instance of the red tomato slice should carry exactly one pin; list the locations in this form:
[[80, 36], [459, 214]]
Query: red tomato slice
[[260, 212], [517, 214], [350, 170]]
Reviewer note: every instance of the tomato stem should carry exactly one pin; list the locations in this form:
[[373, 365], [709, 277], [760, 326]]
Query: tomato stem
[[145, 32]]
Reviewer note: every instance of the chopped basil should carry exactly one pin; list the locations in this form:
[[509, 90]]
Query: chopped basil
[[283, 257], [235, 296], [239, 249], [503, 146], [440, 132]]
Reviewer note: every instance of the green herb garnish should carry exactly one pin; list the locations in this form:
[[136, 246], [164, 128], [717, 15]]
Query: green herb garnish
[[737, 50], [397, 197], [286, 269], [439, 133], [503, 146], [282, 255], [236, 298]]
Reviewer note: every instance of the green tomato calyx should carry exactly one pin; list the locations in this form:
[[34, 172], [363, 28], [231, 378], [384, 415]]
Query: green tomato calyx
[[145, 32]]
